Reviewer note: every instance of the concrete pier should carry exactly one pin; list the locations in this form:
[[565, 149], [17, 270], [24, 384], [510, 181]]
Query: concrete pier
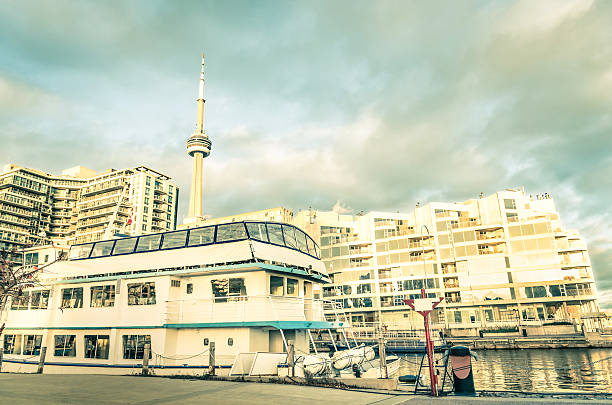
[[21, 389]]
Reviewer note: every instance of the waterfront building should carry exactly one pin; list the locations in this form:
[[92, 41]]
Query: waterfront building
[[498, 261], [80, 206]]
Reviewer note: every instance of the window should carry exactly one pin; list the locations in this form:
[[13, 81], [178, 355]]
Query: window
[[230, 341], [21, 302], [102, 296], [509, 204], [124, 246], [229, 232], [175, 283], [224, 288], [12, 344], [31, 344], [292, 287], [189, 288], [31, 258], [289, 234], [147, 243], [257, 231], [275, 232], [40, 299], [72, 297], [96, 346], [300, 238], [80, 251], [145, 210], [133, 346], [141, 294], [147, 190], [457, 316], [148, 181], [174, 240], [146, 200], [102, 249], [276, 285], [65, 345], [201, 236]]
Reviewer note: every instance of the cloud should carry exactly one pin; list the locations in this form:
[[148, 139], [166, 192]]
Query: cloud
[[374, 104]]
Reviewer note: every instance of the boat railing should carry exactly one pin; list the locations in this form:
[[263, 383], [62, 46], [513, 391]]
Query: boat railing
[[244, 308]]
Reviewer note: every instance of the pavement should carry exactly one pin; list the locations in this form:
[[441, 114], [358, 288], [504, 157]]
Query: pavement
[[50, 389]]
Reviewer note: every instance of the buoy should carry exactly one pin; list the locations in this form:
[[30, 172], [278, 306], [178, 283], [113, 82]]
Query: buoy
[[315, 364]]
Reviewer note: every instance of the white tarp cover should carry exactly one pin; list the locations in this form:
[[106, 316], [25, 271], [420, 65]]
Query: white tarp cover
[[267, 363]]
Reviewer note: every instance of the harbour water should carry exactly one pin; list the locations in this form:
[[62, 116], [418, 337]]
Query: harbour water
[[534, 370]]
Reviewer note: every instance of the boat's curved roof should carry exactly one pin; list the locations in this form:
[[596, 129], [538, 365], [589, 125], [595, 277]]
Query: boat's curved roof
[[233, 242]]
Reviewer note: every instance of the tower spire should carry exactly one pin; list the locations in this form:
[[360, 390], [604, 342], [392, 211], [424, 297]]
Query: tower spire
[[198, 147]]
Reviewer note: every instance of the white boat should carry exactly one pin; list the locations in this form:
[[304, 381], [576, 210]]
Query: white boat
[[249, 287]]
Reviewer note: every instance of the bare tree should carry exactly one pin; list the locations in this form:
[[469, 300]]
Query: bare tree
[[14, 279]]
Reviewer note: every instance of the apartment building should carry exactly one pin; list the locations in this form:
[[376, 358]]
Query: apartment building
[[80, 206], [497, 260]]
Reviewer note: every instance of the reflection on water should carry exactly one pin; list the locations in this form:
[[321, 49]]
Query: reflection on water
[[537, 370]]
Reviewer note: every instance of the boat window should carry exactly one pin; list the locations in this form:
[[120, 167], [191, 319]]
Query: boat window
[[40, 299], [141, 293], [275, 232], [65, 345], [148, 243], [229, 232], [102, 296], [21, 302], [96, 346], [189, 288], [72, 297], [317, 254], [102, 248], [124, 246], [257, 231], [289, 234], [80, 251], [300, 237], [292, 287], [12, 344], [201, 236], [310, 245], [31, 344], [232, 289], [276, 285], [174, 240], [133, 346]]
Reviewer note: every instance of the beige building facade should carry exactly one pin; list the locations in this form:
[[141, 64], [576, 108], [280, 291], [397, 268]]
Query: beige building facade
[[498, 261]]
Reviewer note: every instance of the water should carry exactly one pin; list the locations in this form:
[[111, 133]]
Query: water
[[536, 370]]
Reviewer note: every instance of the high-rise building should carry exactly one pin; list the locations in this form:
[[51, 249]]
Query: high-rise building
[[198, 147], [504, 258], [79, 205]]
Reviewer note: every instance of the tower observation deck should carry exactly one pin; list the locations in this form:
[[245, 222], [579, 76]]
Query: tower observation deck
[[198, 147]]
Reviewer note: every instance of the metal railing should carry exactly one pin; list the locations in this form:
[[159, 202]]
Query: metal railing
[[246, 308]]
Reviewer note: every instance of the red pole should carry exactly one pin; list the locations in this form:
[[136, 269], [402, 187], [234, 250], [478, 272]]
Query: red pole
[[428, 342]]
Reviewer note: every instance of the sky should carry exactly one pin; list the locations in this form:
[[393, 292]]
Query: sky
[[358, 104]]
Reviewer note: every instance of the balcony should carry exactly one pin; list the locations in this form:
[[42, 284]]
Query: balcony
[[264, 308]]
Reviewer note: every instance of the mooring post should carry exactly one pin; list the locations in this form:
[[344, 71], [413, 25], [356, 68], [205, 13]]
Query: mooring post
[[291, 358], [211, 359], [145, 359], [383, 358], [1, 352], [41, 361]]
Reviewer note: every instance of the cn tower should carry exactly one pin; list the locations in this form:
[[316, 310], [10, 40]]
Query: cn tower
[[198, 147]]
